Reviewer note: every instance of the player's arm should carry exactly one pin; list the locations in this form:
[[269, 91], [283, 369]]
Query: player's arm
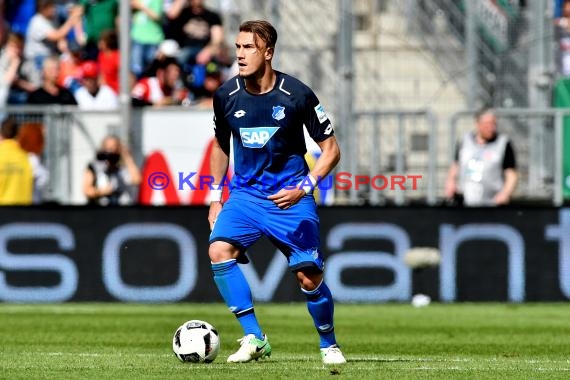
[[219, 162], [328, 159], [321, 131], [219, 159]]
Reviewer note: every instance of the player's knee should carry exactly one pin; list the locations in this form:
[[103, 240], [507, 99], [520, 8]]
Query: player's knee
[[308, 279], [221, 251]]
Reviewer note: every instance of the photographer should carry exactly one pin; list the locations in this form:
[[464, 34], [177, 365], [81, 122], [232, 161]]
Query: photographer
[[107, 179]]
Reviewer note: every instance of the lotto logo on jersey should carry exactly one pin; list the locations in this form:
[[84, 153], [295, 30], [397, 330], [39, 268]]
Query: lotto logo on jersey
[[256, 137], [320, 111]]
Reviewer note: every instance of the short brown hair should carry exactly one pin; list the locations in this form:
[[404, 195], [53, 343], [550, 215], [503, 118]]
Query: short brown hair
[[9, 128], [260, 29], [43, 4], [109, 37]]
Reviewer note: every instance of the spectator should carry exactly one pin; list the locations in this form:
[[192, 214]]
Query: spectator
[[109, 59], [9, 64], [51, 92], [484, 172], [146, 33], [31, 139], [107, 179], [42, 36], [70, 67], [16, 178], [204, 80], [197, 29], [91, 95], [213, 80], [27, 78], [100, 16], [166, 49], [164, 89]]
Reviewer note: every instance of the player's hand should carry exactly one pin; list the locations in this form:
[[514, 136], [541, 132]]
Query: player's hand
[[286, 198], [215, 208]]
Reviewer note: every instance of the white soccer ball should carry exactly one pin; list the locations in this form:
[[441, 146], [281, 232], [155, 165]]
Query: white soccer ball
[[196, 342]]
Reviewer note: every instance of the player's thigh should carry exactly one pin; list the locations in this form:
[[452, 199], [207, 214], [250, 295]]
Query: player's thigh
[[236, 225], [295, 231]]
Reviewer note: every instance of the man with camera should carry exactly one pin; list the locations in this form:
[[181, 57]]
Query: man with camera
[[107, 179]]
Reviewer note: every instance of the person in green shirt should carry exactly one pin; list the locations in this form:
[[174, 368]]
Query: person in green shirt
[[98, 16], [146, 33]]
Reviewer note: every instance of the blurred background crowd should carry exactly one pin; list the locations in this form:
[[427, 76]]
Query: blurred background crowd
[[401, 81], [67, 52]]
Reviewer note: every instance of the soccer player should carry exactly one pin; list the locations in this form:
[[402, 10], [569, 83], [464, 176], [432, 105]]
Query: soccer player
[[271, 191]]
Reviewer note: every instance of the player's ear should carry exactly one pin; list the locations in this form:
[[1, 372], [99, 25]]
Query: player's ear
[[269, 53]]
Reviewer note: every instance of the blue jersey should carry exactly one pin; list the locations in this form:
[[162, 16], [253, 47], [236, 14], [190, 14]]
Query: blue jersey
[[267, 129]]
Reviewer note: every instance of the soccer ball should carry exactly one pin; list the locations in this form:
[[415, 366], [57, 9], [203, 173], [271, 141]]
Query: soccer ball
[[196, 342]]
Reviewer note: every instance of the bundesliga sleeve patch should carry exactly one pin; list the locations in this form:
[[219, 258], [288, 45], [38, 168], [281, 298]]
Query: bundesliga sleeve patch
[[321, 115]]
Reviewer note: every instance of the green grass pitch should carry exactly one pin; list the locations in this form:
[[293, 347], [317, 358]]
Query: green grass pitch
[[124, 341]]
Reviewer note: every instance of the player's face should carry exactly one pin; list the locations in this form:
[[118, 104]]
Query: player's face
[[487, 126], [251, 57]]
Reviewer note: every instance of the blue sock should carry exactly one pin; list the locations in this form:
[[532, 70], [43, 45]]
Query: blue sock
[[321, 308], [236, 292]]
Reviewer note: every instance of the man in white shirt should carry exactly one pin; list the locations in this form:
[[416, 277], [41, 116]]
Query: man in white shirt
[[43, 36], [91, 95]]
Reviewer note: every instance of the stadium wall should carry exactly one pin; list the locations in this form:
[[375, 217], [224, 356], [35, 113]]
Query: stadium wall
[[159, 254]]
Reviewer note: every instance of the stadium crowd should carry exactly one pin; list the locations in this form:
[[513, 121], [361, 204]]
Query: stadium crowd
[[66, 52]]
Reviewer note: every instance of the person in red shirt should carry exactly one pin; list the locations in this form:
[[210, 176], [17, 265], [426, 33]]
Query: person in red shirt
[[109, 59], [163, 89]]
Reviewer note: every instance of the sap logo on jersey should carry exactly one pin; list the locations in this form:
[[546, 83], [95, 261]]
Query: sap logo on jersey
[[256, 137]]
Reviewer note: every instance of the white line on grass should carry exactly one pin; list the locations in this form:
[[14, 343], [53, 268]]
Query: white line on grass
[[303, 357]]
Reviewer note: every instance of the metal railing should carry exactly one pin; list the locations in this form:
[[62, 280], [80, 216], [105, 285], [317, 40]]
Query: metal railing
[[395, 142], [390, 142], [68, 129]]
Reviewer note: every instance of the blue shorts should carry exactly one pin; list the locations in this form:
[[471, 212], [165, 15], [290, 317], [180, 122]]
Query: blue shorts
[[294, 231]]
